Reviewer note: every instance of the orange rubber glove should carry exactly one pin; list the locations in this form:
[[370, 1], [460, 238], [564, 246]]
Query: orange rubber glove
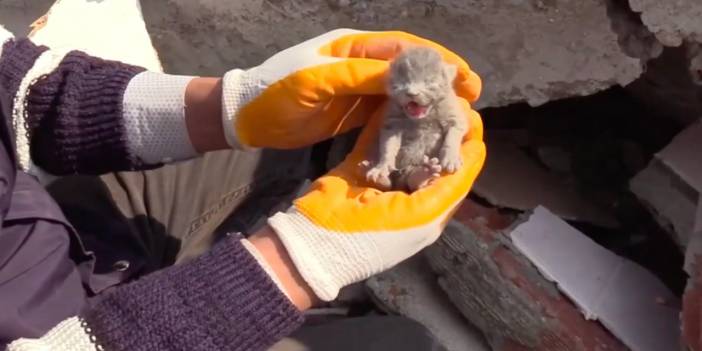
[[322, 87], [343, 231]]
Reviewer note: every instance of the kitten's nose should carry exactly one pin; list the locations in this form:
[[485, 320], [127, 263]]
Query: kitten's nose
[[411, 93]]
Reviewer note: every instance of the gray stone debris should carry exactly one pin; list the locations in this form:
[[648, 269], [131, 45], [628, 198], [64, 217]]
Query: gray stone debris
[[505, 296], [411, 290], [17, 15], [550, 50], [667, 87], [533, 187], [672, 21], [675, 23], [672, 185], [619, 293]]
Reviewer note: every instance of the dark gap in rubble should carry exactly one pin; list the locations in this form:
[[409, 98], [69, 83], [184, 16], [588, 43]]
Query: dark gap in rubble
[[632, 35], [667, 88], [598, 143]]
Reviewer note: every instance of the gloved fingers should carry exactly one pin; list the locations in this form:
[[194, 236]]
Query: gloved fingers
[[283, 122], [344, 201], [341, 202]]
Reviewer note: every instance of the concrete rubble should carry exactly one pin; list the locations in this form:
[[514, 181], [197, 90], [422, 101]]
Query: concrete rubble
[[671, 85], [17, 15], [533, 187], [675, 24], [551, 50], [496, 279], [411, 290], [672, 22], [672, 185], [502, 293], [632, 303]]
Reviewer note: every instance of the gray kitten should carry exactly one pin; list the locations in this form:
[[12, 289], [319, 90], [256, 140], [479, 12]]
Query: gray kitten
[[424, 126]]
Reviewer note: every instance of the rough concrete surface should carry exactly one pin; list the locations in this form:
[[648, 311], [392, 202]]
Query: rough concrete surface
[[499, 290], [17, 15], [552, 50], [532, 51], [672, 21], [668, 88], [535, 186], [626, 298], [692, 299], [411, 290], [671, 185]]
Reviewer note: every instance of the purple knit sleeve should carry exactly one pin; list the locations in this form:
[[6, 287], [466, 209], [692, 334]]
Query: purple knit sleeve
[[74, 114], [222, 300]]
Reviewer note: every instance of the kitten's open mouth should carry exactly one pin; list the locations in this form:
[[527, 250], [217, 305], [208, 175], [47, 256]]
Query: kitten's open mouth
[[415, 110]]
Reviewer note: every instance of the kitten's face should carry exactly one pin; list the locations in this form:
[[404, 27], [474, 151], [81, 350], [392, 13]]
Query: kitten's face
[[418, 80]]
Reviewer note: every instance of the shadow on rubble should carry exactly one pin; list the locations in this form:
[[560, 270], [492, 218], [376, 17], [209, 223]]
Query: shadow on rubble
[[598, 143]]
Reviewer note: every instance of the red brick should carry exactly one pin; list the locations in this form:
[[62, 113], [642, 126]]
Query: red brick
[[564, 326], [692, 310]]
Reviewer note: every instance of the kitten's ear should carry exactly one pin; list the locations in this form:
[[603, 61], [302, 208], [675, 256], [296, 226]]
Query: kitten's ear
[[450, 72]]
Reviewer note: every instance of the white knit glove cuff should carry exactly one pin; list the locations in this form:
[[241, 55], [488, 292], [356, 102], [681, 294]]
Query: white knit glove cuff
[[67, 335], [239, 87], [327, 260], [154, 116]]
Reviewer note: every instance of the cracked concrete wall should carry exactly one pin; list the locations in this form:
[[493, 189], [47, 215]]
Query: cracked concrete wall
[[17, 15], [525, 50], [675, 23], [672, 21]]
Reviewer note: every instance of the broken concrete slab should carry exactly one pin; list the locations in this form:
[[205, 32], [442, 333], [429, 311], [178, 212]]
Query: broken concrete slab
[[693, 253], [692, 315], [511, 179], [368, 333], [668, 88], [17, 15], [683, 155], [634, 38], [555, 158], [671, 21], [532, 51], [671, 185], [110, 29], [410, 289], [502, 293], [619, 293]]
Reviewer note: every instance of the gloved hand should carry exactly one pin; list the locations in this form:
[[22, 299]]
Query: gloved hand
[[343, 230], [319, 88]]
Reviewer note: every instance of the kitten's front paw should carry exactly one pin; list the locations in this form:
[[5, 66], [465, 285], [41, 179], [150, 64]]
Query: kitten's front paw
[[365, 165], [450, 160], [380, 176]]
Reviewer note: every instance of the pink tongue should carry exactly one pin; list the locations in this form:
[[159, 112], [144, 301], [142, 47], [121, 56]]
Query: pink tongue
[[415, 109]]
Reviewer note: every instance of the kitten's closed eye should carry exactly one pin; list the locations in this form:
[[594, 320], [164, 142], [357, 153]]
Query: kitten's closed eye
[[433, 85]]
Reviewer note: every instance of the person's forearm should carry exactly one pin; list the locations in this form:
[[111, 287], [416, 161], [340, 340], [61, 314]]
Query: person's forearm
[[81, 114], [277, 258], [222, 300], [203, 114]]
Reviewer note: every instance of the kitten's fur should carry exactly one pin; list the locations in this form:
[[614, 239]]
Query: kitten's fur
[[423, 129]]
